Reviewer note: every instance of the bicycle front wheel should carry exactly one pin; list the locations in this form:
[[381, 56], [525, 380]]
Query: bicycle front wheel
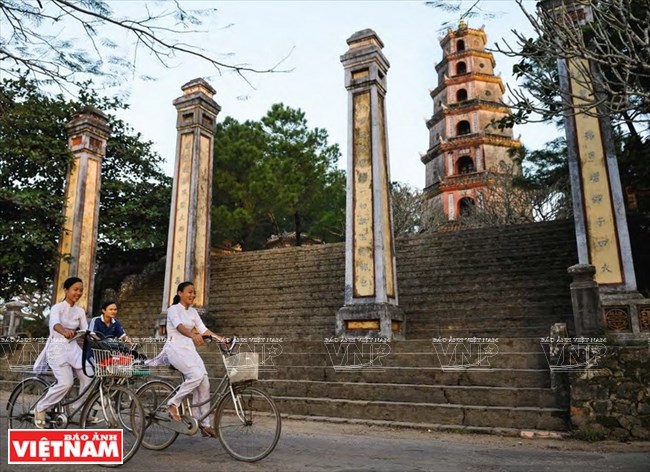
[[121, 409], [22, 401], [248, 424]]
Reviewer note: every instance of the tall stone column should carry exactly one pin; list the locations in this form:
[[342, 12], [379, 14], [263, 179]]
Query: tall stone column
[[371, 301], [188, 243], [88, 132], [598, 201]]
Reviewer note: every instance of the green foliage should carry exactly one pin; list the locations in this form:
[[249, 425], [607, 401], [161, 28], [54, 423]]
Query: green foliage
[[275, 176], [546, 166], [239, 193], [300, 161], [634, 164], [407, 208], [34, 160]]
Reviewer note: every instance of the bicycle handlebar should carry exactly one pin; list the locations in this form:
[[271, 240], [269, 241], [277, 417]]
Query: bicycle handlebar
[[225, 349]]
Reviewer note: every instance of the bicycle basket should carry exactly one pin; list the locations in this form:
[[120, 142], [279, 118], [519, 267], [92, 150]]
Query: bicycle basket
[[112, 363], [242, 367]]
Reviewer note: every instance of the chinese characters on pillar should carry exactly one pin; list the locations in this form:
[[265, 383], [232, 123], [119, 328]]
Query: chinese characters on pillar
[[202, 239], [363, 246], [603, 244], [181, 219]]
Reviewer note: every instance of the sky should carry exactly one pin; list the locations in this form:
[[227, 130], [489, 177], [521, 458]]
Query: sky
[[308, 38]]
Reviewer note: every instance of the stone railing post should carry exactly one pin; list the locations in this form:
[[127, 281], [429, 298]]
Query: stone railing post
[[585, 300]]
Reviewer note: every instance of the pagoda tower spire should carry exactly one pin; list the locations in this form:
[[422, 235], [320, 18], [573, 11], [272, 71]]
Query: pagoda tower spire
[[464, 148]]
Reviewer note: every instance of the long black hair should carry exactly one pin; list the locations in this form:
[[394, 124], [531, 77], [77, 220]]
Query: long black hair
[[180, 288]]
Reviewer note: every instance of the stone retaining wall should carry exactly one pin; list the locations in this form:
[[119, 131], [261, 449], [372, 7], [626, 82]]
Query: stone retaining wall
[[613, 400]]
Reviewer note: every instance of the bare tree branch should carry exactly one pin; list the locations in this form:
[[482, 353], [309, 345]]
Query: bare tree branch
[[30, 42], [610, 52]]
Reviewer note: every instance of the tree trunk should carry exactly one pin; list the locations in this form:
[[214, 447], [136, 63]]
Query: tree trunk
[[296, 220]]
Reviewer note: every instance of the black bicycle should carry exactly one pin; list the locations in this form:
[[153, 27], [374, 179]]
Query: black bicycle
[[245, 417], [108, 403]]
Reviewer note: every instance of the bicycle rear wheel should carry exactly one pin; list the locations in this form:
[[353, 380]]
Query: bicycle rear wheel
[[251, 431], [121, 410], [22, 401], [154, 396]]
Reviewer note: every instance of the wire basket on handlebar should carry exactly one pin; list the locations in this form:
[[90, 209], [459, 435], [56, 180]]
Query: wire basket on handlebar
[[112, 363], [242, 367]]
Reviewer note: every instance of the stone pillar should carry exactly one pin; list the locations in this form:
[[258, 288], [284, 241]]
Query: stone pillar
[[88, 132], [13, 318], [370, 275], [598, 200], [585, 300], [188, 243]]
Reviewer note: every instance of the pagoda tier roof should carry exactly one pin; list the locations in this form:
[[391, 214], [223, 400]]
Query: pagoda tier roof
[[469, 140], [467, 107], [458, 182], [471, 77], [466, 52], [462, 32]]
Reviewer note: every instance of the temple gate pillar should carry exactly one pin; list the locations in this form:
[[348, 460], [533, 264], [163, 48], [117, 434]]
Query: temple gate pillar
[[598, 201], [188, 242], [88, 132], [371, 300]]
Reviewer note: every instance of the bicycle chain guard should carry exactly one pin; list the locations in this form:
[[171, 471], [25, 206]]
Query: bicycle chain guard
[[188, 426]]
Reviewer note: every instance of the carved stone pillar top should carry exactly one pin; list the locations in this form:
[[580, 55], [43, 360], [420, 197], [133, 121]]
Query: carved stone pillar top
[[364, 63], [88, 131]]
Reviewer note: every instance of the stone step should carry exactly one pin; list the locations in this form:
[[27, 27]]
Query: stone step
[[539, 378], [292, 328], [299, 345], [441, 317], [251, 262], [492, 249], [439, 394], [531, 288], [506, 353], [444, 264], [273, 356], [480, 416], [428, 333], [413, 331]]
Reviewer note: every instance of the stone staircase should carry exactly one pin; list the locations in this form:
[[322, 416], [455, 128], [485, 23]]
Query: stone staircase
[[508, 283]]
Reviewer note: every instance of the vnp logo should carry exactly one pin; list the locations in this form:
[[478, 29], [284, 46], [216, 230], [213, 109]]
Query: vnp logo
[[350, 354], [465, 353], [267, 349], [573, 354]]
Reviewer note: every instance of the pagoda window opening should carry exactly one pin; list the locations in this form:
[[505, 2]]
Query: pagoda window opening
[[463, 128], [465, 165], [461, 68], [460, 45], [466, 206], [461, 95]]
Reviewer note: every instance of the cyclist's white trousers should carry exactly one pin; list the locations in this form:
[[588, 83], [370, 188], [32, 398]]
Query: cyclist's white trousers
[[64, 374], [196, 382]]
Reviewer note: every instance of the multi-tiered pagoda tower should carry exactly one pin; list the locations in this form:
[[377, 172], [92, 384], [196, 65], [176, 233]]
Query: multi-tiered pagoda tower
[[464, 147]]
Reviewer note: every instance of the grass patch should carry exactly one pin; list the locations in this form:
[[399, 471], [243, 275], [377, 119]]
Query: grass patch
[[588, 434]]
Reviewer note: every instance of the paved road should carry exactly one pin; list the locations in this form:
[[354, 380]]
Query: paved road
[[315, 446]]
